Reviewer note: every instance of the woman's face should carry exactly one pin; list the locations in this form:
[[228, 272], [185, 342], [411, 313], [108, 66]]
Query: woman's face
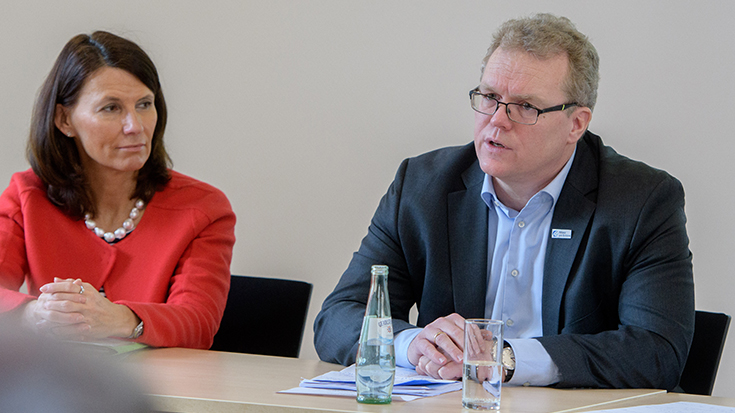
[[112, 122]]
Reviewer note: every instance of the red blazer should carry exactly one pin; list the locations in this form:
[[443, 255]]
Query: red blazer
[[173, 270]]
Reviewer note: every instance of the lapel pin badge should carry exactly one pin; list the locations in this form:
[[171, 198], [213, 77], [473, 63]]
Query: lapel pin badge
[[561, 234]]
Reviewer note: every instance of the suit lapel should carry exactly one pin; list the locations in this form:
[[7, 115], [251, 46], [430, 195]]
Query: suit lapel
[[467, 228], [573, 211]]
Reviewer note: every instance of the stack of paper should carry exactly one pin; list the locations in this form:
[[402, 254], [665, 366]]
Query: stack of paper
[[408, 384]]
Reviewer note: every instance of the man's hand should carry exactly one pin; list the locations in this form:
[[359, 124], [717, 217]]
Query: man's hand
[[437, 350]]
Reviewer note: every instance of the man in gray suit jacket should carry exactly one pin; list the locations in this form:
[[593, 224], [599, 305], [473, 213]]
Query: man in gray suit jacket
[[581, 251]]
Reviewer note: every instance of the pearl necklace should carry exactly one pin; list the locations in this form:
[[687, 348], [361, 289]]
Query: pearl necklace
[[121, 232]]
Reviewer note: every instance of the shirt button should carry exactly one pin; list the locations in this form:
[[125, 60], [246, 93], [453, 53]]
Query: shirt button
[[521, 224], [509, 322], [514, 273]]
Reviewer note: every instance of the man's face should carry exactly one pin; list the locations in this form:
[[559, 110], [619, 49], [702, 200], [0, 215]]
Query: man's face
[[524, 157]]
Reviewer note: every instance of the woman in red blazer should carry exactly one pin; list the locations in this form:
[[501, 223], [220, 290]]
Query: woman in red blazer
[[109, 240]]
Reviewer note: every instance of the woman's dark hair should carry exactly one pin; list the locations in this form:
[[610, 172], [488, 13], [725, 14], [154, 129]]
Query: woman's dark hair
[[54, 156]]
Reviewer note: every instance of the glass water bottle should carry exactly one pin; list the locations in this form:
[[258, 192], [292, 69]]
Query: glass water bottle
[[375, 368]]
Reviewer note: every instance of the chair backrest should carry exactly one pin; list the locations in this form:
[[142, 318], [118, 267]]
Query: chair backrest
[[264, 316], [710, 332]]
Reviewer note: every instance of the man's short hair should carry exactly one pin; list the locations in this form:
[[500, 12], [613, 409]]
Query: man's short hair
[[545, 36]]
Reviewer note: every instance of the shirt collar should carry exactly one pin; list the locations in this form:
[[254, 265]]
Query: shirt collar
[[553, 188]]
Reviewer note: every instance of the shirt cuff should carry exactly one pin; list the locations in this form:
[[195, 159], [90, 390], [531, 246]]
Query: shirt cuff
[[401, 341], [534, 366]]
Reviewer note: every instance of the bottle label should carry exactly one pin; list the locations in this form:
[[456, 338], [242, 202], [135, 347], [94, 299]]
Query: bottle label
[[380, 331]]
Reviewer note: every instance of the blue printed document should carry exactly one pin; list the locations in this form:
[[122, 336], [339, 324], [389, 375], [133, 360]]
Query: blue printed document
[[408, 384]]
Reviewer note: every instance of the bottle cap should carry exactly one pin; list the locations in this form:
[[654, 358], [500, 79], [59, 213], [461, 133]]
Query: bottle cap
[[379, 270]]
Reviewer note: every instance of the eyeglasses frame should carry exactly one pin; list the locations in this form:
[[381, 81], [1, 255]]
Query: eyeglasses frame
[[476, 91]]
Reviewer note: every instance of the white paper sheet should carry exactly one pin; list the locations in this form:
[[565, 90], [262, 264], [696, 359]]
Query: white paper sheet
[[678, 407]]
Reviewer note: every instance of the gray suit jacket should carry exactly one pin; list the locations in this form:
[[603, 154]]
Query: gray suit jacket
[[618, 297]]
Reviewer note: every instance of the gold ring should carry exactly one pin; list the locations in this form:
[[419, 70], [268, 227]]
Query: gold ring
[[437, 335]]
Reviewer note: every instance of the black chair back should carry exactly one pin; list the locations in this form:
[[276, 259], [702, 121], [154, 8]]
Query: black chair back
[[700, 371], [264, 316]]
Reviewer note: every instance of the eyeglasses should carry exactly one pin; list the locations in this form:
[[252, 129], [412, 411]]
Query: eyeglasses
[[522, 113]]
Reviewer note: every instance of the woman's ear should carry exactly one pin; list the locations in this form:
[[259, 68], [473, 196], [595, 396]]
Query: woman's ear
[[62, 120]]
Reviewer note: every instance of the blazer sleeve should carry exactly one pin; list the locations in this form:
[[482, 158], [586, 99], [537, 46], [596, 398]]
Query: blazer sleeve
[[13, 262], [648, 267], [338, 324], [197, 295]]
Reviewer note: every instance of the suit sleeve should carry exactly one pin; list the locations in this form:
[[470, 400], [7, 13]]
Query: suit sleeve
[[337, 326], [655, 308]]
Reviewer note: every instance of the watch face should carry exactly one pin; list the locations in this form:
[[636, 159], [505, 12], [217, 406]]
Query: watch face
[[138, 331], [509, 361]]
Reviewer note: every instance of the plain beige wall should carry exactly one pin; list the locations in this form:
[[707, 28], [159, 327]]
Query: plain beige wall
[[301, 111]]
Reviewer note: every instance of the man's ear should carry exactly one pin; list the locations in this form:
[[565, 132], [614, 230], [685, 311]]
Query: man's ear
[[62, 120], [580, 121]]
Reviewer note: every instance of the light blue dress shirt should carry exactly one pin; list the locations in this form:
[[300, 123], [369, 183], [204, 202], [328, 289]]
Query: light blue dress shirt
[[517, 246]]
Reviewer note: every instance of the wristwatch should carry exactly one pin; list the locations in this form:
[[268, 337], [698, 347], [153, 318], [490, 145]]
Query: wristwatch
[[137, 331], [509, 361]]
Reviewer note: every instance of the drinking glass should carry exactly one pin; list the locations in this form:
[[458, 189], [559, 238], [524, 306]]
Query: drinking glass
[[482, 373]]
